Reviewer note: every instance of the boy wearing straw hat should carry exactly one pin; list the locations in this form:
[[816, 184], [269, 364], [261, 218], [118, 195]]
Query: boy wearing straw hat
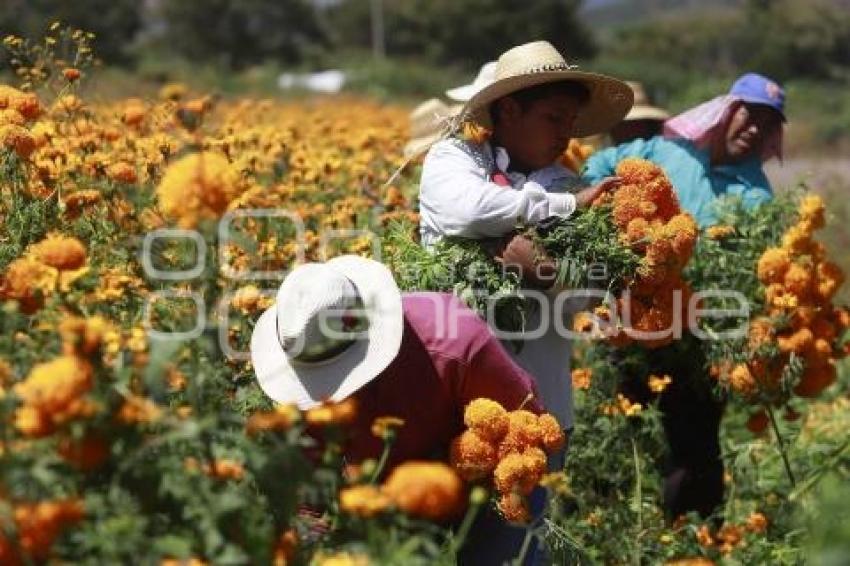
[[503, 170]]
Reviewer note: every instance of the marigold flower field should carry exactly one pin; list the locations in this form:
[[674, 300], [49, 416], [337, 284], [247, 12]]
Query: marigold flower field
[[142, 238]]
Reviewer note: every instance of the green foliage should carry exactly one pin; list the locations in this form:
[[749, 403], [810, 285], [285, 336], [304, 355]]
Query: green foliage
[[239, 33]]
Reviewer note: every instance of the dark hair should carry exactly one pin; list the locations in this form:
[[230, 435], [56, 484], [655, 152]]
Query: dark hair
[[528, 96]]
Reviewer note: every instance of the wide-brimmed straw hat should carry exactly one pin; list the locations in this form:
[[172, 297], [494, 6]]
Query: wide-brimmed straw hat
[[642, 108], [486, 75], [538, 63], [334, 328], [428, 121]]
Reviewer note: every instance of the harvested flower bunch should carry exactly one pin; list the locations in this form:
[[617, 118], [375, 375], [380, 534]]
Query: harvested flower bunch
[[507, 448], [651, 224]]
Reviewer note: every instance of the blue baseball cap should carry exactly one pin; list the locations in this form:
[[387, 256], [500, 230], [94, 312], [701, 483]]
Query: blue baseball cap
[[759, 89]]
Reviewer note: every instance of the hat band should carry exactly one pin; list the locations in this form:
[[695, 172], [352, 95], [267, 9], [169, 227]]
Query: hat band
[[549, 67]]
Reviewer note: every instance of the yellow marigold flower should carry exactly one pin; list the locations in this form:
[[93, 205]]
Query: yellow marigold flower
[[49, 394], [430, 490], [812, 209], [384, 427], [364, 500], [658, 384], [10, 116], [719, 231], [797, 238], [328, 414], [60, 251], [772, 265], [757, 522], [551, 434], [173, 91], [281, 418], [18, 139], [249, 300], [341, 559], [556, 482], [474, 133], [627, 407], [184, 562], [83, 336], [26, 103], [137, 410], [514, 508], [198, 186], [28, 281], [581, 378], [472, 456], [487, 418]]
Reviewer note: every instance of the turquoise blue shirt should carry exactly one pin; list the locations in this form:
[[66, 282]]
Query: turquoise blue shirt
[[698, 184]]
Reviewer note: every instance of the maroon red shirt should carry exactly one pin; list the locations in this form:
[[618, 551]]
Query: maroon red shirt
[[448, 357]]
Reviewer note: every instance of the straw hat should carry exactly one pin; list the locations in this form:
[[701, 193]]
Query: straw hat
[[539, 63], [427, 122], [486, 75], [642, 109], [334, 328]]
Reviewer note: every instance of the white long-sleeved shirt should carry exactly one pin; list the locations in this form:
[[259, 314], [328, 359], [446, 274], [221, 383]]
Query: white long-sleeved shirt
[[457, 198]]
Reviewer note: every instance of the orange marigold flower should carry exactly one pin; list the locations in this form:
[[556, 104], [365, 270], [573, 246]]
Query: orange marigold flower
[[523, 432], [704, 537], [757, 522], [760, 333], [772, 265], [514, 508], [39, 524], [83, 336], [517, 473], [634, 170], [474, 133], [741, 380], [658, 384], [798, 280], [198, 186], [281, 418], [384, 427], [18, 139], [123, 172], [551, 434], [581, 378], [487, 418], [719, 231], [797, 238], [60, 251], [364, 500], [28, 281], [285, 548], [798, 342], [136, 410], [327, 414], [472, 456], [829, 278], [71, 74], [812, 209], [815, 379], [431, 490]]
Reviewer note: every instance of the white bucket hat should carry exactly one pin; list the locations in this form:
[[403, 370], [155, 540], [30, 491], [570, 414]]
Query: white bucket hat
[[486, 75], [538, 63], [335, 327]]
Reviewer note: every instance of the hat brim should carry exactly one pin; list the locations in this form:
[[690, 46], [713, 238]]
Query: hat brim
[[754, 100], [462, 93], [420, 145], [308, 385], [609, 101], [646, 112]]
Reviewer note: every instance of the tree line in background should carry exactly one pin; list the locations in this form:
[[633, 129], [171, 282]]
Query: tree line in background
[[783, 38]]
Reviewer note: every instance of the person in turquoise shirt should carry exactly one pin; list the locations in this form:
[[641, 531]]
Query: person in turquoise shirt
[[714, 150], [711, 151]]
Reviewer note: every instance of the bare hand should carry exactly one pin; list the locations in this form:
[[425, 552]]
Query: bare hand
[[586, 196], [523, 255]]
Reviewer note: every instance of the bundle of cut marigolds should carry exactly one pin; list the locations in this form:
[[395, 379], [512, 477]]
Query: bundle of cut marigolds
[[651, 224], [507, 448], [799, 326]]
